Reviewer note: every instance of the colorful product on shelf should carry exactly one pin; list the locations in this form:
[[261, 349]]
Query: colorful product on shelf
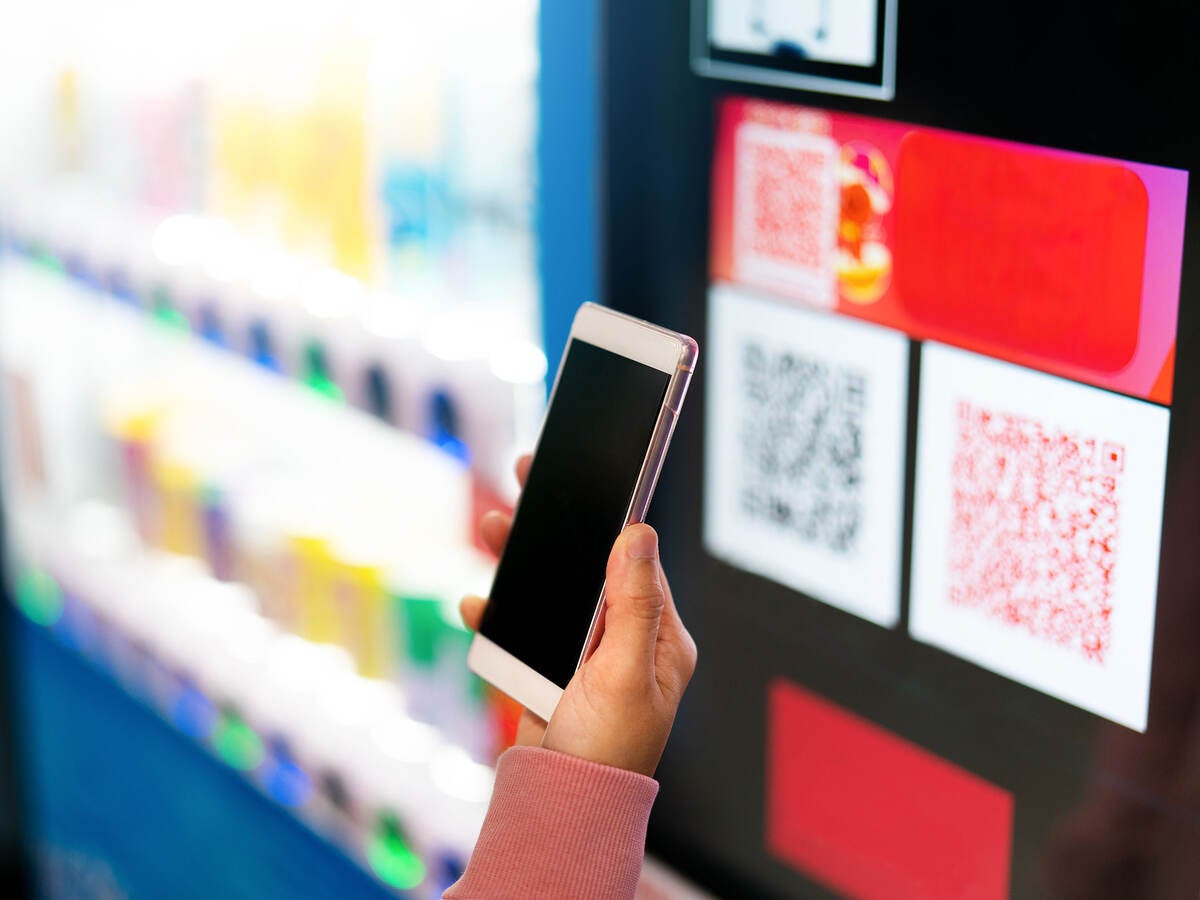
[[466, 379], [323, 513], [406, 842]]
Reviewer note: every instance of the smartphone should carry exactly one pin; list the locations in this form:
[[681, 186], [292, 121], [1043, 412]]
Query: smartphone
[[613, 409]]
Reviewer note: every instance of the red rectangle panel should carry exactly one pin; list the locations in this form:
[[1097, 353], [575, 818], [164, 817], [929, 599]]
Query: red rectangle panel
[[871, 815], [1018, 248], [1056, 261]]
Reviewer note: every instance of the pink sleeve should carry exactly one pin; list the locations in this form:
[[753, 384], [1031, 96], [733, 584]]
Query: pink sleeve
[[559, 826]]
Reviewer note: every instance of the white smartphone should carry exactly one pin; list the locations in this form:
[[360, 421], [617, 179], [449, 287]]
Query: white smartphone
[[613, 409]]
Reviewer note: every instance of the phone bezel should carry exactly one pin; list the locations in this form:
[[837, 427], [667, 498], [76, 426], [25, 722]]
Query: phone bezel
[[667, 351]]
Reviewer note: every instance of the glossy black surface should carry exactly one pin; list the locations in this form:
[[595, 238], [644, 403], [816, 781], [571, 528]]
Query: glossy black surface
[[1100, 811], [574, 504]]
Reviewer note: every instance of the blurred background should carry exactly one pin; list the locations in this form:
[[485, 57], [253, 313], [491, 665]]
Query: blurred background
[[273, 336], [283, 288]]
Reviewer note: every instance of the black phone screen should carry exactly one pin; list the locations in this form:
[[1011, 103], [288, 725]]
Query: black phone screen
[[574, 504]]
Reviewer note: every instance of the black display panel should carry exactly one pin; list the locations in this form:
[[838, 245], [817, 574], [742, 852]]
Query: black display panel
[[1098, 809], [588, 458]]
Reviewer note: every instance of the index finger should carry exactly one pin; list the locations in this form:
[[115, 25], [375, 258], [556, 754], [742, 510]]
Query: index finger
[[471, 609], [522, 467]]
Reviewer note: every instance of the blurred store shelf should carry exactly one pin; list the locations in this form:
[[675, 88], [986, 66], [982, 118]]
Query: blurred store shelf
[[271, 564]]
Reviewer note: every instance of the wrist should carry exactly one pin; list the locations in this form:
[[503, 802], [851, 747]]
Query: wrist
[[641, 759]]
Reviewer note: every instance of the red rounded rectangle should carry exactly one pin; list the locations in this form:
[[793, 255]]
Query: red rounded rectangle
[[1022, 250], [871, 815]]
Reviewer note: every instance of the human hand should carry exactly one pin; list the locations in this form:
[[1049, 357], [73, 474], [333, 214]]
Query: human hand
[[619, 706]]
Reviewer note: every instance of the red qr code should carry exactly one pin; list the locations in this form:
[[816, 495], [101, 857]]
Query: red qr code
[[787, 210], [1034, 527]]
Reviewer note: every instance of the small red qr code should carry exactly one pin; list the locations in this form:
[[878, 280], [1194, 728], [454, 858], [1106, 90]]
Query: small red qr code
[[1034, 527], [787, 196]]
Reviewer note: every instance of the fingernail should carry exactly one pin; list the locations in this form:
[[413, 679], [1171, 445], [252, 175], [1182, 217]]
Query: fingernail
[[642, 544]]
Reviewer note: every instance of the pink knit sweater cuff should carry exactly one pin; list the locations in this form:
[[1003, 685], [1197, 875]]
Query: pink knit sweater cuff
[[559, 826]]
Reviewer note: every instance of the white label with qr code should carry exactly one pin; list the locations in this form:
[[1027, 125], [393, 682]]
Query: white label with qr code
[[786, 205], [804, 450], [1036, 529]]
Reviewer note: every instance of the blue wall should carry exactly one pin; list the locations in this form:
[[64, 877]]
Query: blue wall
[[568, 165], [117, 799]]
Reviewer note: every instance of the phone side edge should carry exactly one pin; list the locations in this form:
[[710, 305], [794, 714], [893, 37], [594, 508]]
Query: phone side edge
[[652, 465]]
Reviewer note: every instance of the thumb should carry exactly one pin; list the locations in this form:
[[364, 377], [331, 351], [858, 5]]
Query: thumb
[[634, 597]]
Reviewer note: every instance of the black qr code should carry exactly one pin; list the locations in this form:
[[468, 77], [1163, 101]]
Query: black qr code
[[801, 442]]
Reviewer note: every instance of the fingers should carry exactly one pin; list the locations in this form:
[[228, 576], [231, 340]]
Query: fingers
[[493, 529], [530, 730], [471, 609], [495, 525], [676, 656], [634, 598]]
